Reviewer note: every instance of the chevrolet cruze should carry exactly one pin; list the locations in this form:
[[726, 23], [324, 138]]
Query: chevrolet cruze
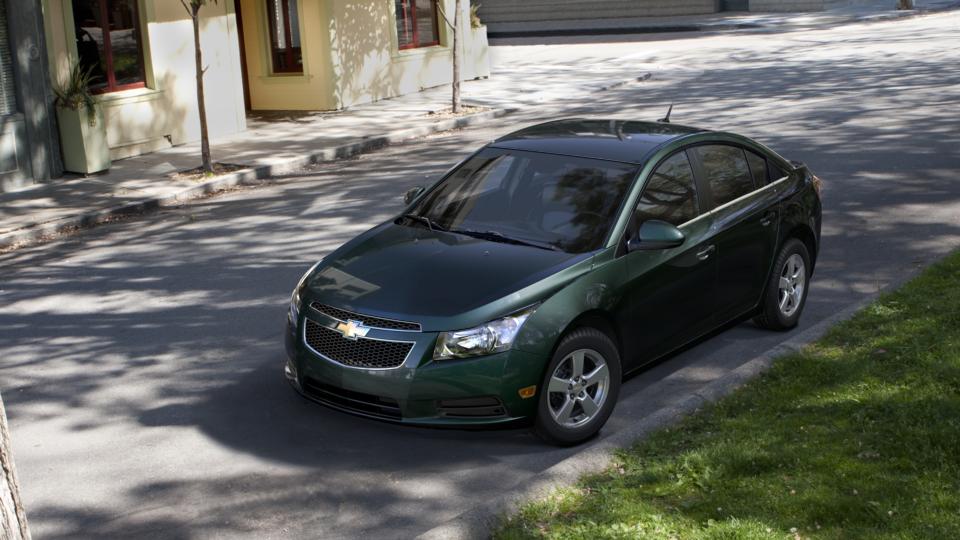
[[534, 275]]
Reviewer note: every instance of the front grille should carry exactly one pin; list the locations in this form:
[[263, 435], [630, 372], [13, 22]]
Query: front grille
[[479, 407], [367, 320], [360, 353], [350, 400]]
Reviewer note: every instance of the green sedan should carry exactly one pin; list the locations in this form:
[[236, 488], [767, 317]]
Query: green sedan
[[528, 281]]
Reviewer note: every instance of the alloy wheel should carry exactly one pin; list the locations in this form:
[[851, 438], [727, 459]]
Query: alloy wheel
[[793, 280], [578, 388]]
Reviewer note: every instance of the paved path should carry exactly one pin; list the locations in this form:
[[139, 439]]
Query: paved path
[[140, 361]]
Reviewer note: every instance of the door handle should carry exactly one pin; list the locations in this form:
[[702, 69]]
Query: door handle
[[705, 253], [768, 218]]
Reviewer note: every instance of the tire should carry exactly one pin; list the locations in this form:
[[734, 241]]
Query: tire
[[557, 424], [776, 311]]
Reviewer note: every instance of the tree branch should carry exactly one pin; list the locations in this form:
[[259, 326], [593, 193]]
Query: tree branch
[[442, 14]]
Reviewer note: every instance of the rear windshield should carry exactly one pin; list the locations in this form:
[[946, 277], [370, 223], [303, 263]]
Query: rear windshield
[[567, 203]]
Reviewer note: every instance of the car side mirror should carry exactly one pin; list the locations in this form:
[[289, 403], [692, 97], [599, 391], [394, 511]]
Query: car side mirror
[[412, 194], [656, 234]]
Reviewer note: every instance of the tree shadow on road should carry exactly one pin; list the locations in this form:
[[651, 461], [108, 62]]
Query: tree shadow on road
[[155, 346]]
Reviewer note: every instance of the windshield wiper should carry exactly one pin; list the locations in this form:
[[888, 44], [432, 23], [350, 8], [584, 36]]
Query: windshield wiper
[[500, 237], [432, 225]]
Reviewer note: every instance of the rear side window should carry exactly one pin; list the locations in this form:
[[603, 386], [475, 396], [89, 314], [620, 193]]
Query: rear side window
[[776, 173], [727, 172], [758, 168], [669, 194]]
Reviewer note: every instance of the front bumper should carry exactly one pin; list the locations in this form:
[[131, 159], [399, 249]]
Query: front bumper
[[482, 391]]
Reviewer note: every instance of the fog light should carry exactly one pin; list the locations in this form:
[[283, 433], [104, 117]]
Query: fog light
[[290, 371], [528, 392]]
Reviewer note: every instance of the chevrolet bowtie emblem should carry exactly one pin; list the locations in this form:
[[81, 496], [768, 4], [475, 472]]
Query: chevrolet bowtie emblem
[[352, 329]]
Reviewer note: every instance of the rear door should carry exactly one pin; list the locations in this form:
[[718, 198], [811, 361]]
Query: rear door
[[745, 221]]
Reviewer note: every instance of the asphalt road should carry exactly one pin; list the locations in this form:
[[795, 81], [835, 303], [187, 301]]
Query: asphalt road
[[141, 361]]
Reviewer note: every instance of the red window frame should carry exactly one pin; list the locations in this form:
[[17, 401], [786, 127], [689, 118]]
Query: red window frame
[[288, 53], [112, 85], [411, 26]]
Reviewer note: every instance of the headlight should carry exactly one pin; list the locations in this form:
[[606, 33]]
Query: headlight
[[493, 337], [293, 313]]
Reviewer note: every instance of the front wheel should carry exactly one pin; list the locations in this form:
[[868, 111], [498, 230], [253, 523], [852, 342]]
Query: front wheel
[[579, 389], [786, 292]]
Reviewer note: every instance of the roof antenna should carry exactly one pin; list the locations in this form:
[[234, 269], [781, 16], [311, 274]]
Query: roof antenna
[[666, 119]]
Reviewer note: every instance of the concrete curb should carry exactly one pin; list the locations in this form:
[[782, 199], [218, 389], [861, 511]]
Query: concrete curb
[[480, 521], [35, 233]]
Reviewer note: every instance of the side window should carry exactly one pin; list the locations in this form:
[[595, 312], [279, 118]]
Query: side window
[[417, 23], [727, 172], [109, 44], [776, 172], [669, 194], [284, 20], [758, 167]]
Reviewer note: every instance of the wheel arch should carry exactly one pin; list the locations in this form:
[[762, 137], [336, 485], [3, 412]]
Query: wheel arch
[[805, 234], [597, 319]]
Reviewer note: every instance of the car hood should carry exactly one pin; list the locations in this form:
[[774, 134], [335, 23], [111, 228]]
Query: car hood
[[413, 273]]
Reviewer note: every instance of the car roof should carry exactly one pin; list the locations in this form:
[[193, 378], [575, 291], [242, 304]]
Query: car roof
[[613, 140]]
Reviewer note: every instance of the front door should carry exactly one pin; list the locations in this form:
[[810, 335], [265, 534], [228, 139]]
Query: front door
[[670, 293], [243, 54]]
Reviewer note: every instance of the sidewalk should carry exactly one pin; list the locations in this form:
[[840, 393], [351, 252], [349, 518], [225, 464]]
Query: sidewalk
[[273, 143], [835, 12], [526, 79]]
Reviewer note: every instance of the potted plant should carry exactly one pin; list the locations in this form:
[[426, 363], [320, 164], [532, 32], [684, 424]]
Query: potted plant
[[83, 134]]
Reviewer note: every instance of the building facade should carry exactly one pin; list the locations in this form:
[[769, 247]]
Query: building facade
[[141, 55], [28, 143], [331, 54], [259, 54]]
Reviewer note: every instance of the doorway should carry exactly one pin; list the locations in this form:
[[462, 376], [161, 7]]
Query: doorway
[[238, 11]]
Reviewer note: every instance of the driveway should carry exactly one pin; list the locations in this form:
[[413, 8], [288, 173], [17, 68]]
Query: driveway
[[141, 361]]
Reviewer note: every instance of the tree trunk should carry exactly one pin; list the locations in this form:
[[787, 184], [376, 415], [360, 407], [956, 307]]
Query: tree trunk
[[456, 56], [13, 519], [201, 104]]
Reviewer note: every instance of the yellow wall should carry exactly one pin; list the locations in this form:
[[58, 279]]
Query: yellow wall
[[351, 56], [165, 112], [368, 65], [349, 50], [284, 91]]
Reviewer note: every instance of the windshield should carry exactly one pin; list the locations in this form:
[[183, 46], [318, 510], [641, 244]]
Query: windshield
[[545, 200]]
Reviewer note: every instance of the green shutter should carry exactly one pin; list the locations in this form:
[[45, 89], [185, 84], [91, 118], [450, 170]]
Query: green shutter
[[8, 100]]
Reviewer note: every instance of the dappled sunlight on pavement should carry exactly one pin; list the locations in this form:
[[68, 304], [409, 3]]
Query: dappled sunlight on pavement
[[142, 360]]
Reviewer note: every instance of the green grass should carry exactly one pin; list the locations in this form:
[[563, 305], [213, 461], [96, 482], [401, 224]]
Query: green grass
[[858, 436]]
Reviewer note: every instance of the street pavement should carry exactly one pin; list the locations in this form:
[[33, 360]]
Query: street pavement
[[140, 361]]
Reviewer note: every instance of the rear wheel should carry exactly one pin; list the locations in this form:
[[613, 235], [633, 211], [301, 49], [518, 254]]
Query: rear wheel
[[786, 292], [580, 388]]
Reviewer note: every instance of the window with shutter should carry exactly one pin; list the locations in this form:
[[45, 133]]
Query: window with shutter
[[8, 99]]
